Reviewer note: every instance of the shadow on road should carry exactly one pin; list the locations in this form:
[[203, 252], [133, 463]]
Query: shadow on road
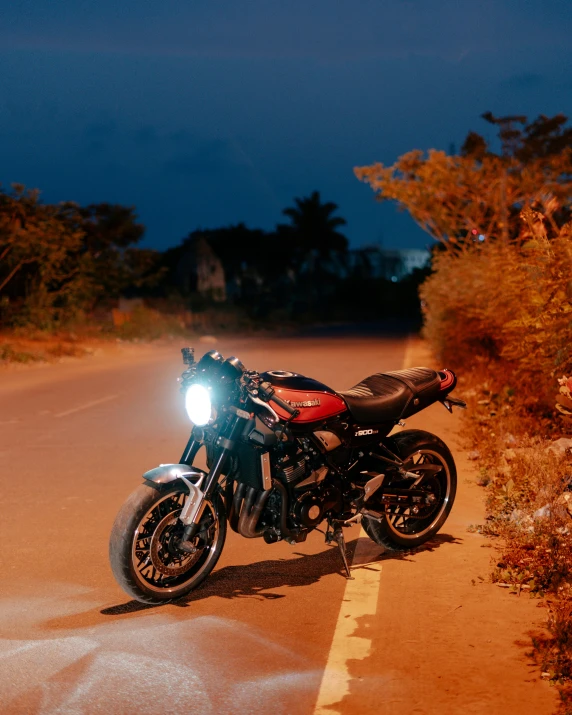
[[259, 580], [255, 580]]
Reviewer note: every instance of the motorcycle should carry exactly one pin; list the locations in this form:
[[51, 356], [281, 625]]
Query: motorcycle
[[284, 454]]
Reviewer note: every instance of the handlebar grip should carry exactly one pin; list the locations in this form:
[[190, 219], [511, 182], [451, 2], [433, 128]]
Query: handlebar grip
[[267, 393], [285, 406]]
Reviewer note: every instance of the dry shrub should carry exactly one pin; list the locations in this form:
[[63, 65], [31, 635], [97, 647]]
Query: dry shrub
[[528, 502], [9, 353], [564, 400], [507, 307], [501, 313], [553, 650], [46, 350], [530, 505]]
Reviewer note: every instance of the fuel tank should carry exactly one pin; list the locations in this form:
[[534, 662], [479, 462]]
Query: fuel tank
[[315, 401]]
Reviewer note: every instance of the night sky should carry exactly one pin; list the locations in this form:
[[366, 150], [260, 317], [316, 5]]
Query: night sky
[[203, 114]]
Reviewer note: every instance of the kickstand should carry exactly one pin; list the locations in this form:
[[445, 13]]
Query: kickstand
[[338, 537]]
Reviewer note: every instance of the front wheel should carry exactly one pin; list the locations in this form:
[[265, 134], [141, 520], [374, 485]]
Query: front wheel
[[400, 529], [143, 547]]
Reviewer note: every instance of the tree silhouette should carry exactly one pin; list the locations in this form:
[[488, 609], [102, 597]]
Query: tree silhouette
[[112, 264], [314, 228]]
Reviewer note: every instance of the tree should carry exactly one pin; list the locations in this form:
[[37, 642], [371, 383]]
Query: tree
[[313, 228], [37, 243], [58, 261], [112, 263], [480, 193]]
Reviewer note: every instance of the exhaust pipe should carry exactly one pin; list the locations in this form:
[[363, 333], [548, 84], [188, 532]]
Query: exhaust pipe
[[250, 513], [284, 530], [234, 513]]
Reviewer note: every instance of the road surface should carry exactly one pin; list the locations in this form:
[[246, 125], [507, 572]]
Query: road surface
[[276, 628]]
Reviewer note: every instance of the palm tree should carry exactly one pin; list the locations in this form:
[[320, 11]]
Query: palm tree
[[313, 228]]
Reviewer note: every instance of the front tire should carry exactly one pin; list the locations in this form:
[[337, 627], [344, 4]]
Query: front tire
[[143, 552], [400, 529]]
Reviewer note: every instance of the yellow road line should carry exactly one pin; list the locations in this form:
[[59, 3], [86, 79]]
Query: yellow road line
[[360, 599]]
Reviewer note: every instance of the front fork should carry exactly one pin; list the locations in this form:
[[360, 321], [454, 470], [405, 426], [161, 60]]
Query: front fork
[[193, 446], [195, 503]]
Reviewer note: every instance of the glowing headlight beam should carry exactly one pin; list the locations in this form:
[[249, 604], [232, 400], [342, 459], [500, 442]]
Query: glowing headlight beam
[[198, 404]]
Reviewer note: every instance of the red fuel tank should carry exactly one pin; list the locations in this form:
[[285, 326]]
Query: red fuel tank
[[315, 401]]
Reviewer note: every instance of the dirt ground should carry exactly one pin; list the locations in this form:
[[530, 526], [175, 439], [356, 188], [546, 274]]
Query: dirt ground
[[446, 639]]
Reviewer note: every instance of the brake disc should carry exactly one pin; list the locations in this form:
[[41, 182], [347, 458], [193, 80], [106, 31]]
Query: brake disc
[[165, 557]]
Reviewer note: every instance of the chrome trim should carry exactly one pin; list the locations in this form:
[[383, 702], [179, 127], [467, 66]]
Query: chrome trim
[[165, 473], [193, 502], [252, 507], [266, 473]]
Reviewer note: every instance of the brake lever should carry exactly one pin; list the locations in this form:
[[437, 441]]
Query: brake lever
[[260, 402]]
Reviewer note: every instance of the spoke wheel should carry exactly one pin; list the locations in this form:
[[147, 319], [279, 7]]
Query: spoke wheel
[[144, 547], [408, 526], [407, 521]]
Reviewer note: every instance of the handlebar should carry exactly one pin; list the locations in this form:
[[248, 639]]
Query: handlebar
[[266, 391], [231, 369], [285, 406]]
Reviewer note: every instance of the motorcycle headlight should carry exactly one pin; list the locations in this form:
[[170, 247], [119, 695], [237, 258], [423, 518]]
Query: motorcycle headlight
[[198, 404]]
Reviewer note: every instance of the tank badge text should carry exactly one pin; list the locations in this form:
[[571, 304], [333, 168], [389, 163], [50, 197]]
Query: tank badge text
[[306, 403]]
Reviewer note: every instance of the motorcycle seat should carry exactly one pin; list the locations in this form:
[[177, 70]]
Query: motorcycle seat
[[391, 396]]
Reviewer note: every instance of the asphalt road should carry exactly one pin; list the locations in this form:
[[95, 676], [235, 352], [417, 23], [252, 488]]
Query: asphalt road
[[275, 628], [75, 439]]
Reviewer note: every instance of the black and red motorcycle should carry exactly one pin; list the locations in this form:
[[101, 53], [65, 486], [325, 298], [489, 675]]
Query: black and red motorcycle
[[285, 453]]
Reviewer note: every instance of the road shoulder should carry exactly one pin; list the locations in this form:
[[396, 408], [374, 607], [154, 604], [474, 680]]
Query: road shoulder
[[445, 640]]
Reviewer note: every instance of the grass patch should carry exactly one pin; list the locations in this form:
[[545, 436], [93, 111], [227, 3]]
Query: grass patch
[[44, 350], [10, 354]]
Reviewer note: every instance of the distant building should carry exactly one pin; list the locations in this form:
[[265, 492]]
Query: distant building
[[391, 264], [200, 270]]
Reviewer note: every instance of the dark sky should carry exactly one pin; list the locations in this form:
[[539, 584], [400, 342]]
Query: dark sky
[[207, 113]]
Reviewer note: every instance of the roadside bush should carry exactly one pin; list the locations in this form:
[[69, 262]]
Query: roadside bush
[[501, 313], [506, 307], [529, 506], [8, 353]]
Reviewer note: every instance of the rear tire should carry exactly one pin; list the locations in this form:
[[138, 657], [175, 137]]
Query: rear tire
[[405, 531], [143, 549]]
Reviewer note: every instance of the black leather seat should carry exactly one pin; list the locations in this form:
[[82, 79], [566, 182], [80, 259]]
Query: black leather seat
[[390, 396]]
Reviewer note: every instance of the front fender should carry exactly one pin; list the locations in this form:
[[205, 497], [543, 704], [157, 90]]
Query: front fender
[[166, 473]]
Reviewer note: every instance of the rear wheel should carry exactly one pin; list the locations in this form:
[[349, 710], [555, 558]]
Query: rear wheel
[[143, 548], [404, 527]]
